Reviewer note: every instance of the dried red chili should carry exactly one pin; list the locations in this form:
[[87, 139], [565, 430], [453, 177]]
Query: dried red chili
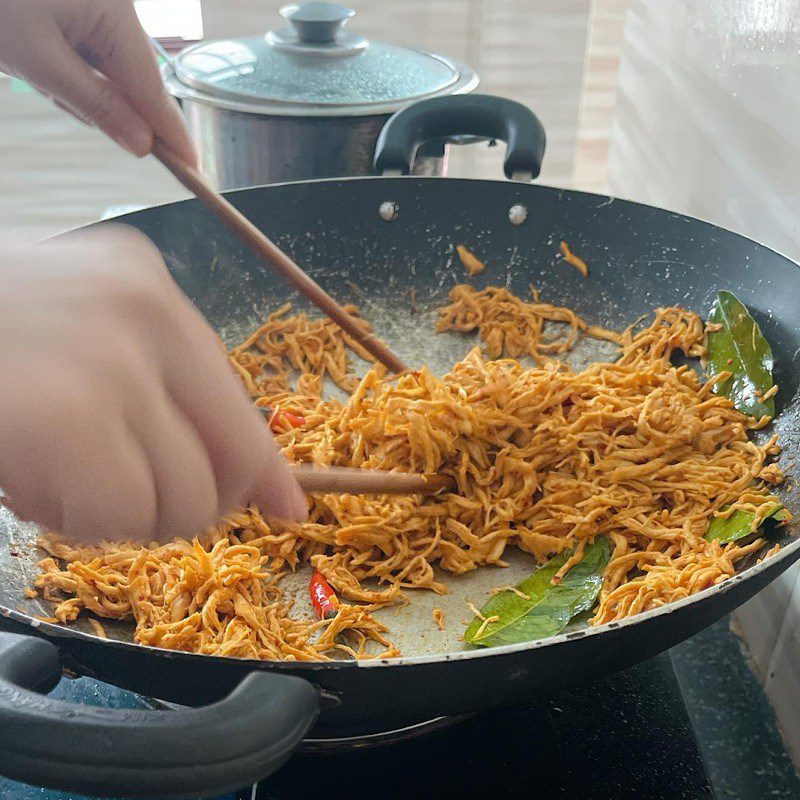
[[323, 598]]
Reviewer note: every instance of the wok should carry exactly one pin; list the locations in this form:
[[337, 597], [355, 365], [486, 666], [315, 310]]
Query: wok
[[368, 240]]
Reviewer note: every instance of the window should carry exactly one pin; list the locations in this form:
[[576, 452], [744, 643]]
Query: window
[[175, 23]]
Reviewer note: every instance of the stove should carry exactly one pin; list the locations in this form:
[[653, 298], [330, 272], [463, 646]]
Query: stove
[[689, 724], [628, 736]]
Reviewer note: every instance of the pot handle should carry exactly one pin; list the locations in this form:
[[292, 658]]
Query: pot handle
[[204, 751], [478, 115]]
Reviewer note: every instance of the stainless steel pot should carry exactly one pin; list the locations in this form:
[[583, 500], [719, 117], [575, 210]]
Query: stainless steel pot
[[307, 101]]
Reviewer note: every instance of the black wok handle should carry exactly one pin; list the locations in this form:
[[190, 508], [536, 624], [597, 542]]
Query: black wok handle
[[463, 115], [205, 751]]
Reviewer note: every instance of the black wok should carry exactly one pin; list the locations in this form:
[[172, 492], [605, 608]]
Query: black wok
[[368, 241]]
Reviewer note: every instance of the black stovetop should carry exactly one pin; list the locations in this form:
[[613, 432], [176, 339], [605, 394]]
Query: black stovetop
[[628, 736]]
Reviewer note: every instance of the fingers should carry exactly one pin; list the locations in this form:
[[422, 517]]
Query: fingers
[[244, 460], [185, 484], [94, 60], [120, 49], [247, 464], [124, 417], [76, 469], [63, 75], [276, 491], [92, 475], [105, 485]]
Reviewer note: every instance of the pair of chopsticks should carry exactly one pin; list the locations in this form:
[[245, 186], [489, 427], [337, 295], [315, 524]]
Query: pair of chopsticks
[[346, 480], [320, 480]]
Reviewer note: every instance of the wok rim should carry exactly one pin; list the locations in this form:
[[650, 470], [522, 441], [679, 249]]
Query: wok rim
[[608, 198], [59, 633]]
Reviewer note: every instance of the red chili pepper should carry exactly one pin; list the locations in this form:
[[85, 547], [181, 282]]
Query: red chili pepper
[[323, 598], [295, 420], [278, 415]]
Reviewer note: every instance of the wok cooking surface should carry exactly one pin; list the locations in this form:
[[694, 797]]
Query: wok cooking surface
[[639, 258]]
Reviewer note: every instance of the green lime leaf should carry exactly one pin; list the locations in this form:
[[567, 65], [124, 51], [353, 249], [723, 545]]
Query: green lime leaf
[[548, 609], [739, 525], [740, 348]]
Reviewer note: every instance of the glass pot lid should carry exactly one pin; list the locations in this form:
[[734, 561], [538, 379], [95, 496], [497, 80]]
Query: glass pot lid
[[315, 66]]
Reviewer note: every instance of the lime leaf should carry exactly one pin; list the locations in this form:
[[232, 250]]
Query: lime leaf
[[740, 348], [740, 524], [548, 608]]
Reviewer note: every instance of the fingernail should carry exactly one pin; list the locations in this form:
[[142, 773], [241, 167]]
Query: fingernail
[[294, 510]]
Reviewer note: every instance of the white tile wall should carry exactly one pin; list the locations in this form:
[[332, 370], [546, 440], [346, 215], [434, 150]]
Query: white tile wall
[[762, 618], [782, 673], [707, 121], [707, 114]]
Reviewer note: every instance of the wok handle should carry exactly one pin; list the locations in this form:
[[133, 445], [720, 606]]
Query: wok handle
[[479, 115], [204, 751]]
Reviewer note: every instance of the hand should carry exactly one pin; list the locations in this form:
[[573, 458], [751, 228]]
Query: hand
[[94, 60], [120, 416]]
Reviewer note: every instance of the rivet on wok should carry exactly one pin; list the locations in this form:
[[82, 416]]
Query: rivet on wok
[[388, 210], [517, 214]]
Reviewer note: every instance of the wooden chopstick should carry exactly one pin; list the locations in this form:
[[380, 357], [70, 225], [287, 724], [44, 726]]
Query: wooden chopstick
[[194, 181], [345, 480]]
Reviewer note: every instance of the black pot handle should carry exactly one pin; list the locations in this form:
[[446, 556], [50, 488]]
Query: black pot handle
[[193, 752], [463, 115]]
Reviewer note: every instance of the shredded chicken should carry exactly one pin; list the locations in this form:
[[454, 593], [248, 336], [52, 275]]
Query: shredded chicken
[[544, 460]]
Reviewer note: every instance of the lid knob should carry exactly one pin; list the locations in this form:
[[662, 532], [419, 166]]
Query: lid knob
[[317, 22]]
